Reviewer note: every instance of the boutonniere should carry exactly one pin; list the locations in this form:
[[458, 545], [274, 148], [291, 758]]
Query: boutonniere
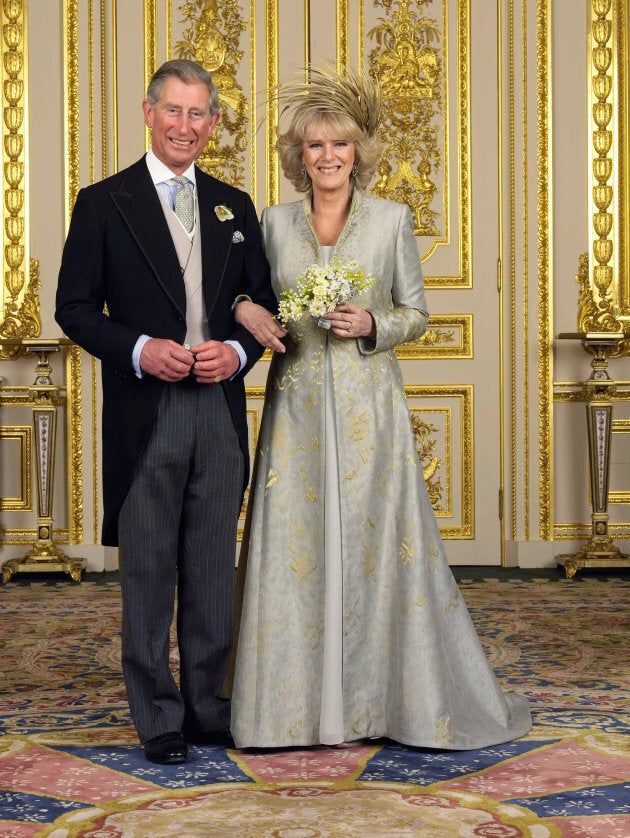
[[224, 213]]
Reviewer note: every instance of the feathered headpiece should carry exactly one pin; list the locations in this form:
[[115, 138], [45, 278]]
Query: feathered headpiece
[[346, 95]]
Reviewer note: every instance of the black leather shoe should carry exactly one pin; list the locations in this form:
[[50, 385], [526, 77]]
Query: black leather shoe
[[166, 749], [222, 738]]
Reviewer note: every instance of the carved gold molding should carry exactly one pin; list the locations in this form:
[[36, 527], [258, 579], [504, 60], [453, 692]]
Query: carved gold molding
[[544, 202], [579, 532], [271, 78], [342, 35], [447, 336], [603, 287], [622, 41], [74, 423], [575, 391], [71, 105], [19, 313], [23, 435]]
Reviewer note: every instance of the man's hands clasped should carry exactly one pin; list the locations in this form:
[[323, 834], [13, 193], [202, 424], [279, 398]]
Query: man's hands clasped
[[209, 362]]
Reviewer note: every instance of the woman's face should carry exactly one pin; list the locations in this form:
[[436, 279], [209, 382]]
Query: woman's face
[[328, 160]]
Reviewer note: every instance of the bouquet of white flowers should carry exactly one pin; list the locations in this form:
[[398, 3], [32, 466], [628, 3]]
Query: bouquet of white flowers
[[321, 289]]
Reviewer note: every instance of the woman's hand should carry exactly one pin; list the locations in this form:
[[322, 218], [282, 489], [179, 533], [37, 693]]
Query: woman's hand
[[262, 325], [350, 321]]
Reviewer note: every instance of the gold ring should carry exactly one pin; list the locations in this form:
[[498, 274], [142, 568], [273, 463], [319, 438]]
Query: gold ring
[[350, 327], [217, 378]]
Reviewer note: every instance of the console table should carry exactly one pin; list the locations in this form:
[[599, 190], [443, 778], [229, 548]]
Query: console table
[[44, 555], [599, 551]]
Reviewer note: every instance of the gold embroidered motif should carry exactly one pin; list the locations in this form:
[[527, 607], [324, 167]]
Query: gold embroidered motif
[[302, 566], [365, 453], [406, 553], [310, 493], [433, 554], [443, 736], [368, 562]]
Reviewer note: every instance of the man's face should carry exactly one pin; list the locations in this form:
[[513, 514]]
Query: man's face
[[180, 123]]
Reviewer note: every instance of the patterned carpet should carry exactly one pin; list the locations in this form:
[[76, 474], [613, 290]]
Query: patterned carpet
[[70, 764]]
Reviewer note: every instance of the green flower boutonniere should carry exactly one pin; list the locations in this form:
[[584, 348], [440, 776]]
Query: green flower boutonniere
[[224, 213]]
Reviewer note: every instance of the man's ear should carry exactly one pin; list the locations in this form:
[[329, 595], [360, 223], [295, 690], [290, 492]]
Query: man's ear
[[147, 110], [213, 124]]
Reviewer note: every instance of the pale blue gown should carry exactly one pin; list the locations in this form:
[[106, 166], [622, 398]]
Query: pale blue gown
[[351, 623]]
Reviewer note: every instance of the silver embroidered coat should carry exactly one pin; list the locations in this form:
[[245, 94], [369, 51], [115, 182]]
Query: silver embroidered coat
[[413, 666]]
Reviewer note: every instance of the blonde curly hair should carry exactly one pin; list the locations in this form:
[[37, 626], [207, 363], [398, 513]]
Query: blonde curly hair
[[344, 107]]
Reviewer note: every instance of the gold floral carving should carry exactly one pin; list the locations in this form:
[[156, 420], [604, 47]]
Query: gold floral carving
[[20, 275], [408, 62], [21, 315], [212, 38], [426, 444], [464, 397]]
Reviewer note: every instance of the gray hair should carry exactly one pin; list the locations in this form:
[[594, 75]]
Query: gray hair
[[188, 72]]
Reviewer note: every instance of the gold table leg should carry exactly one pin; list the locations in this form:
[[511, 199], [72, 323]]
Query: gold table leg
[[599, 551], [44, 555]]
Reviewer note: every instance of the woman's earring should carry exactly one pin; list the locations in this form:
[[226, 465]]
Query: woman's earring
[[303, 170], [355, 169]]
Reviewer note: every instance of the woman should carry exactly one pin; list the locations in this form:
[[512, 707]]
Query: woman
[[352, 625]]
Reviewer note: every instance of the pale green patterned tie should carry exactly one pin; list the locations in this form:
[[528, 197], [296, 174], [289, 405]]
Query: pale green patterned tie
[[184, 203]]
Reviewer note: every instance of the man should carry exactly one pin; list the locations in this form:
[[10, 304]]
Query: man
[[153, 300]]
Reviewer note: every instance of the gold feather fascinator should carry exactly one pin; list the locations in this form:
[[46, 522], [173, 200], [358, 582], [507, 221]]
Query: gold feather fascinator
[[347, 95]]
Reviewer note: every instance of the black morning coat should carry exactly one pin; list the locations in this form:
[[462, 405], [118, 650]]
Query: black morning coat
[[119, 254]]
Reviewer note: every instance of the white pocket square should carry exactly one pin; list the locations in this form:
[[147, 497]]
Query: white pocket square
[[237, 237]]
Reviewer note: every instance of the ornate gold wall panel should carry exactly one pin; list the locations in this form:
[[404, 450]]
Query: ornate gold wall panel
[[213, 38], [454, 465], [405, 45], [19, 304], [432, 429], [408, 60]]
